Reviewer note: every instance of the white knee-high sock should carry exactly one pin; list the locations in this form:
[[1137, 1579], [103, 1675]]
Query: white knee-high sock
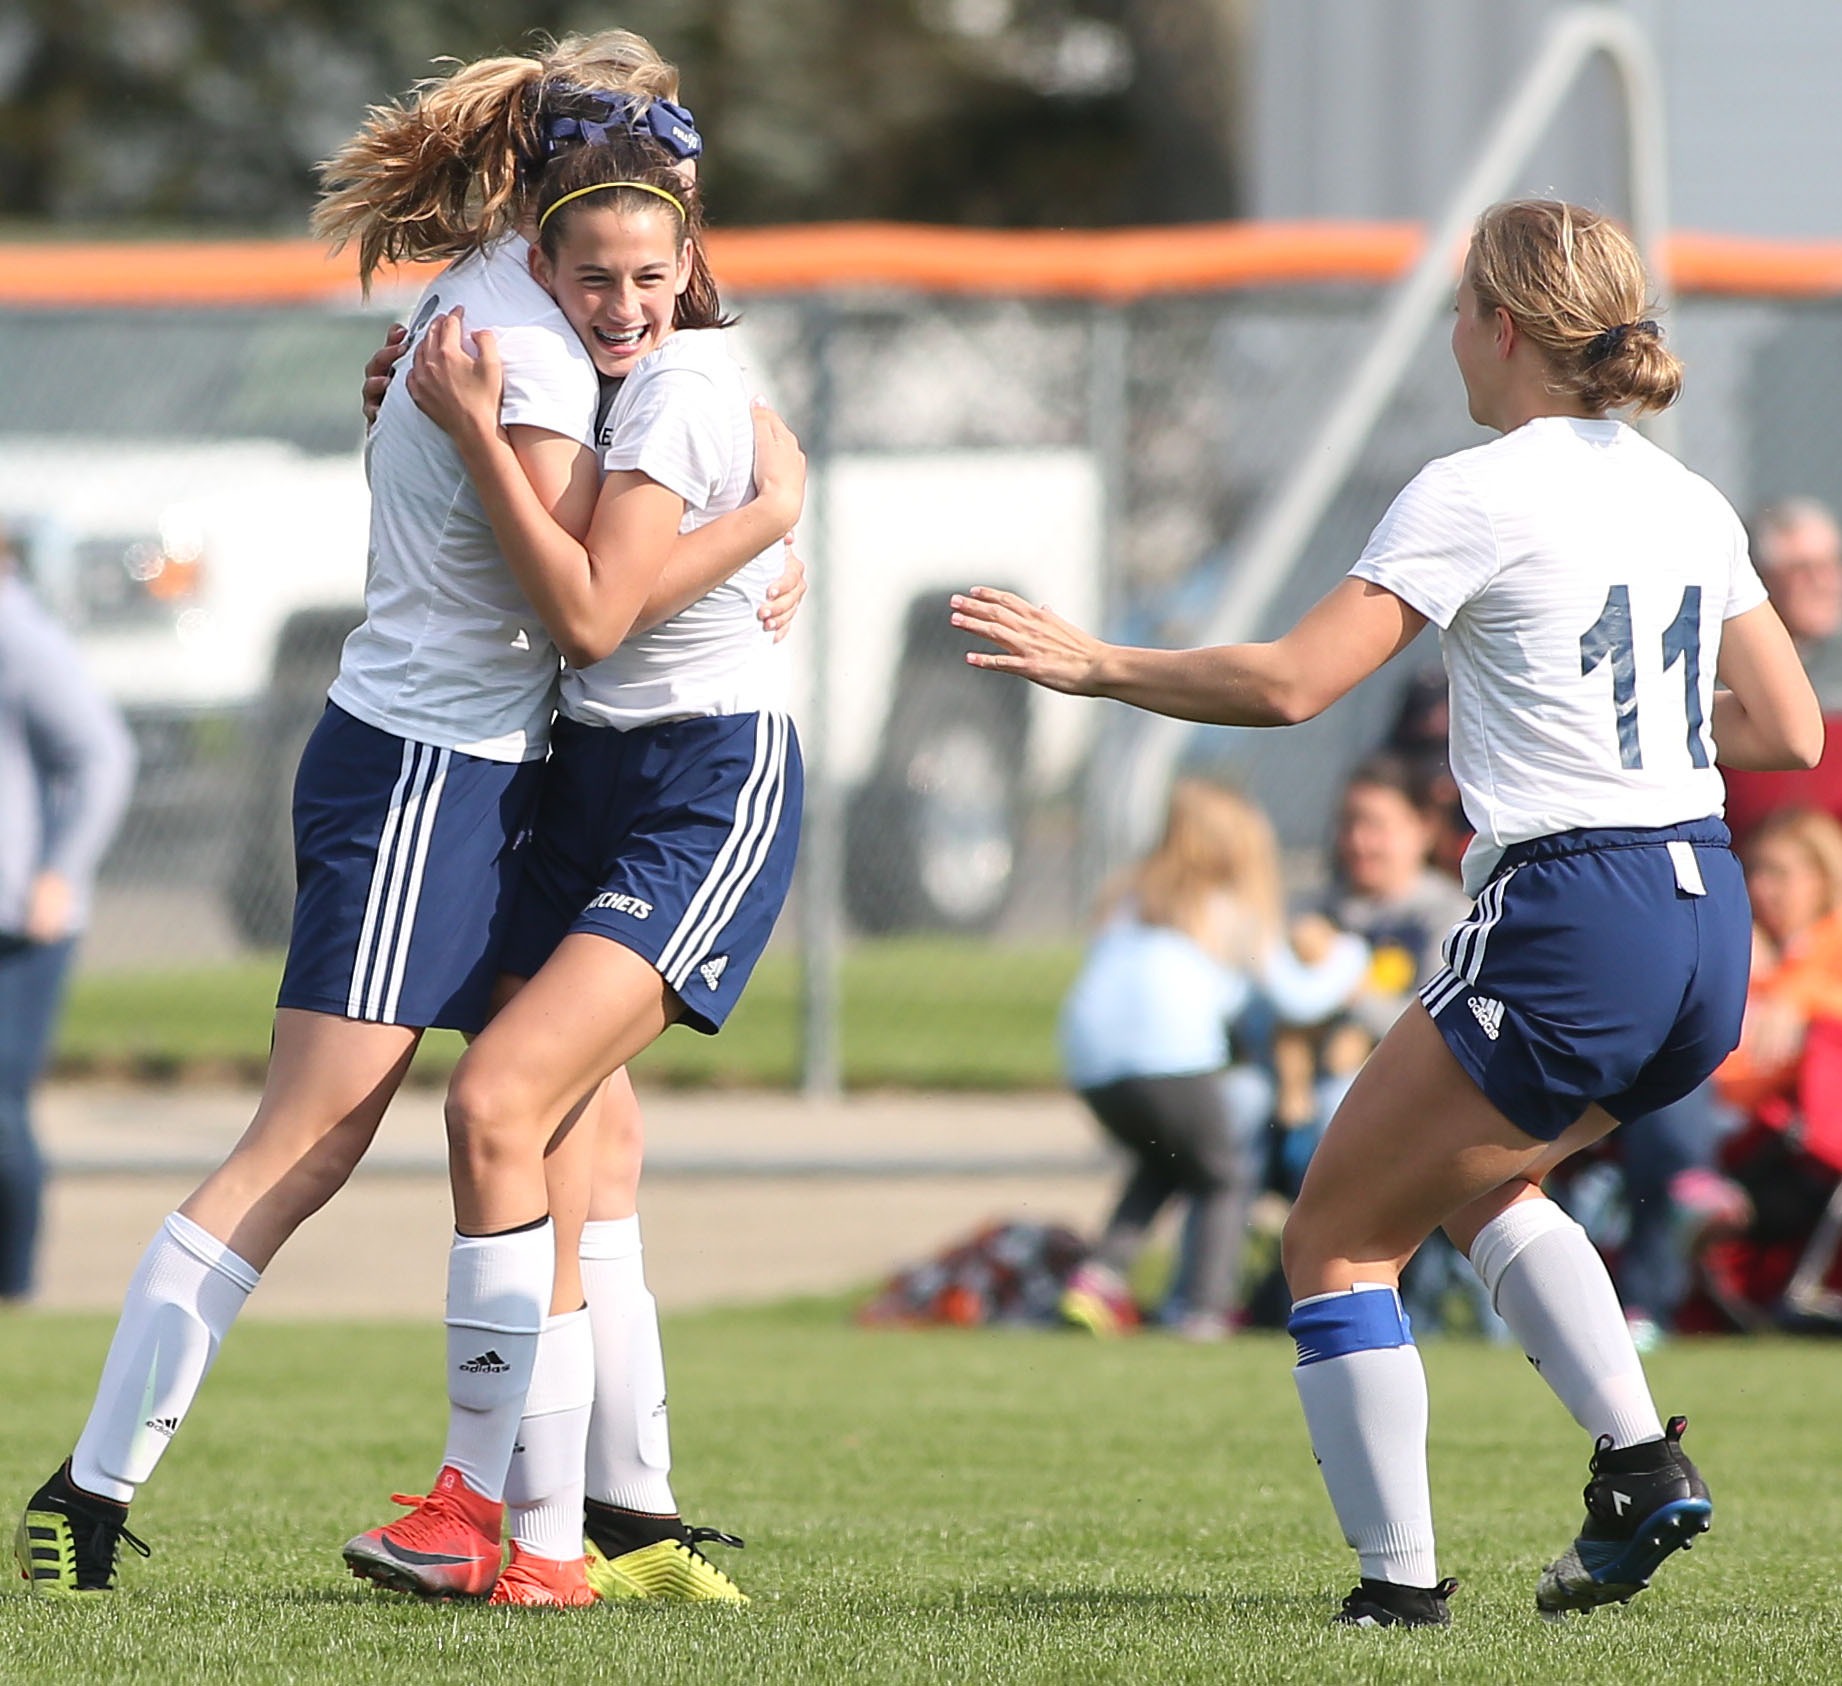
[[1364, 1392], [1550, 1286], [629, 1439], [498, 1293], [543, 1493], [181, 1301]]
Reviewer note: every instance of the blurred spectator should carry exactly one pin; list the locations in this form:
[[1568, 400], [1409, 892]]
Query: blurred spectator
[[1386, 891], [1418, 736], [1798, 550], [66, 766], [1785, 1162], [1389, 892], [1190, 934], [1625, 1193]]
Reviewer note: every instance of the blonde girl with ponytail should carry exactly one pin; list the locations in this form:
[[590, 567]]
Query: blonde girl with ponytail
[[412, 803], [1607, 640]]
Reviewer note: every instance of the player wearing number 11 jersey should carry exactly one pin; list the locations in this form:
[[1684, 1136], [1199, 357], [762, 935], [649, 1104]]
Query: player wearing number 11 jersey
[[1588, 590], [1577, 575]]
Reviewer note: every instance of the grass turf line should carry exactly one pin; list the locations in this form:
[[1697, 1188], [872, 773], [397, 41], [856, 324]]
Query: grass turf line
[[923, 1012], [940, 1507]]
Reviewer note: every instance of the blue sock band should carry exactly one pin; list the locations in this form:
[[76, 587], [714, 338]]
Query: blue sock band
[[1360, 1320]]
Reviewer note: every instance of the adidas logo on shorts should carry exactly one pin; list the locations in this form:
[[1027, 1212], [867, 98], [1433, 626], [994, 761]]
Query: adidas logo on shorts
[[1488, 1013], [711, 971]]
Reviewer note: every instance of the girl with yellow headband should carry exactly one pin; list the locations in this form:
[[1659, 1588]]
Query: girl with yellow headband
[[668, 822], [411, 801]]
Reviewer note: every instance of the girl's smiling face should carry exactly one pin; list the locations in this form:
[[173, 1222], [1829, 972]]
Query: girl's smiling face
[[616, 274]]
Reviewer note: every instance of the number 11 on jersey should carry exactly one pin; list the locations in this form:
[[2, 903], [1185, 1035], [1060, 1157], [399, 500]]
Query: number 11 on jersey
[[1610, 638]]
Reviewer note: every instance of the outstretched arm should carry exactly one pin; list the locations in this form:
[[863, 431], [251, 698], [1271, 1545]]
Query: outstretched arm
[[1350, 633]]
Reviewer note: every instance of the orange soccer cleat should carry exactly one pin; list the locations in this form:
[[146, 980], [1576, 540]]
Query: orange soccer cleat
[[543, 1582], [447, 1547]]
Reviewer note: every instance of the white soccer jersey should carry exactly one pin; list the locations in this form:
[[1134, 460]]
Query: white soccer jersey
[[450, 652], [682, 418], [1579, 577]]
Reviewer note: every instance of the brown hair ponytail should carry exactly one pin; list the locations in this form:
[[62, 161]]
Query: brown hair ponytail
[[1573, 282]]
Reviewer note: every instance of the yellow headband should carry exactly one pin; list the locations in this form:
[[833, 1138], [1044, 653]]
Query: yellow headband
[[671, 199]]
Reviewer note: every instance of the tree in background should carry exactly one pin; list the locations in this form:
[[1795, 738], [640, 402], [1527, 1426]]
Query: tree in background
[[997, 112]]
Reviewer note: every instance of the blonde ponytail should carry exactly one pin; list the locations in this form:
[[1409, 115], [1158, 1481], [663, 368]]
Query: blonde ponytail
[[1573, 282], [442, 173]]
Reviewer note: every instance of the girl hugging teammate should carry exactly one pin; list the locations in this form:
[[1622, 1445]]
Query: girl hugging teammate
[[666, 831], [411, 803]]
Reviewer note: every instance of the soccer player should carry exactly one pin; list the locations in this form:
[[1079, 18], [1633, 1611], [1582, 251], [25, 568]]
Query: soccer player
[[410, 804], [1589, 592], [669, 818]]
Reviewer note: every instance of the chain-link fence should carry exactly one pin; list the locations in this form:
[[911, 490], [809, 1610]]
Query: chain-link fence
[[188, 491]]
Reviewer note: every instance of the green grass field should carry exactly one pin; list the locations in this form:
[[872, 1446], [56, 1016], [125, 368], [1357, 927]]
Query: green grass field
[[941, 1507], [923, 1012]]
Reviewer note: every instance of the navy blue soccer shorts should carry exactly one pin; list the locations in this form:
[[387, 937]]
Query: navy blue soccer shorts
[[676, 841], [1604, 967], [406, 866]]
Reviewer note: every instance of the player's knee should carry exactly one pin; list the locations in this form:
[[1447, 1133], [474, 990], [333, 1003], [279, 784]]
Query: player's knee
[[486, 1117], [1306, 1248]]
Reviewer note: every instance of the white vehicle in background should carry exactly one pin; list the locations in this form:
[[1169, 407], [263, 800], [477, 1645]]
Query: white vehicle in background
[[939, 762], [209, 585], [217, 582]]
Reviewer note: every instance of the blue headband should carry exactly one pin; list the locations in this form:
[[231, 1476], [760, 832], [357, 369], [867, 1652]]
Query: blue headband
[[672, 126]]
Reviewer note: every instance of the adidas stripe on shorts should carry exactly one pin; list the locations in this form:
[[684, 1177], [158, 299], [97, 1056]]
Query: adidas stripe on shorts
[[675, 840], [1598, 966], [406, 860]]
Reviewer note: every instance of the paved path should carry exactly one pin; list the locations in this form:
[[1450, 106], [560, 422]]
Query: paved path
[[748, 1196]]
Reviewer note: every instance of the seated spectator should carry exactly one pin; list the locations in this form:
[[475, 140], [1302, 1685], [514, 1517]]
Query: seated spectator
[[1388, 891], [1190, 933], [1785, 1161], [1422, 725], [1798, 551]]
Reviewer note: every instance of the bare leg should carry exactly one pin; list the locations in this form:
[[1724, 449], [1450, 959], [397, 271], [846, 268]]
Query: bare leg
[[329, 1081], [620, 1146], [1414, 1143], [592, 1007]]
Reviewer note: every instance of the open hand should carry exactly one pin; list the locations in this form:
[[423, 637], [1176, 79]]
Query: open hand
[[378, 371], [456, 388], [1035, 641]]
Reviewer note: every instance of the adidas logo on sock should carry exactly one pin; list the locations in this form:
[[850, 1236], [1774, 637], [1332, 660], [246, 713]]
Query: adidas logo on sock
[[169, 1426], [489, 1363], [1488, 1013], [711, 971]]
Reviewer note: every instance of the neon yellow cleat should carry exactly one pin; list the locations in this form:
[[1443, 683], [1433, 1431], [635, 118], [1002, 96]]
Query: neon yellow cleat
[[671, 1569], [67, 1540]]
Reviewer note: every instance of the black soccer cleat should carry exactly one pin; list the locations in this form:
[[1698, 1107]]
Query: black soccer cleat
[[1642, 1503], [1389, 1604], [67, 1539]]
